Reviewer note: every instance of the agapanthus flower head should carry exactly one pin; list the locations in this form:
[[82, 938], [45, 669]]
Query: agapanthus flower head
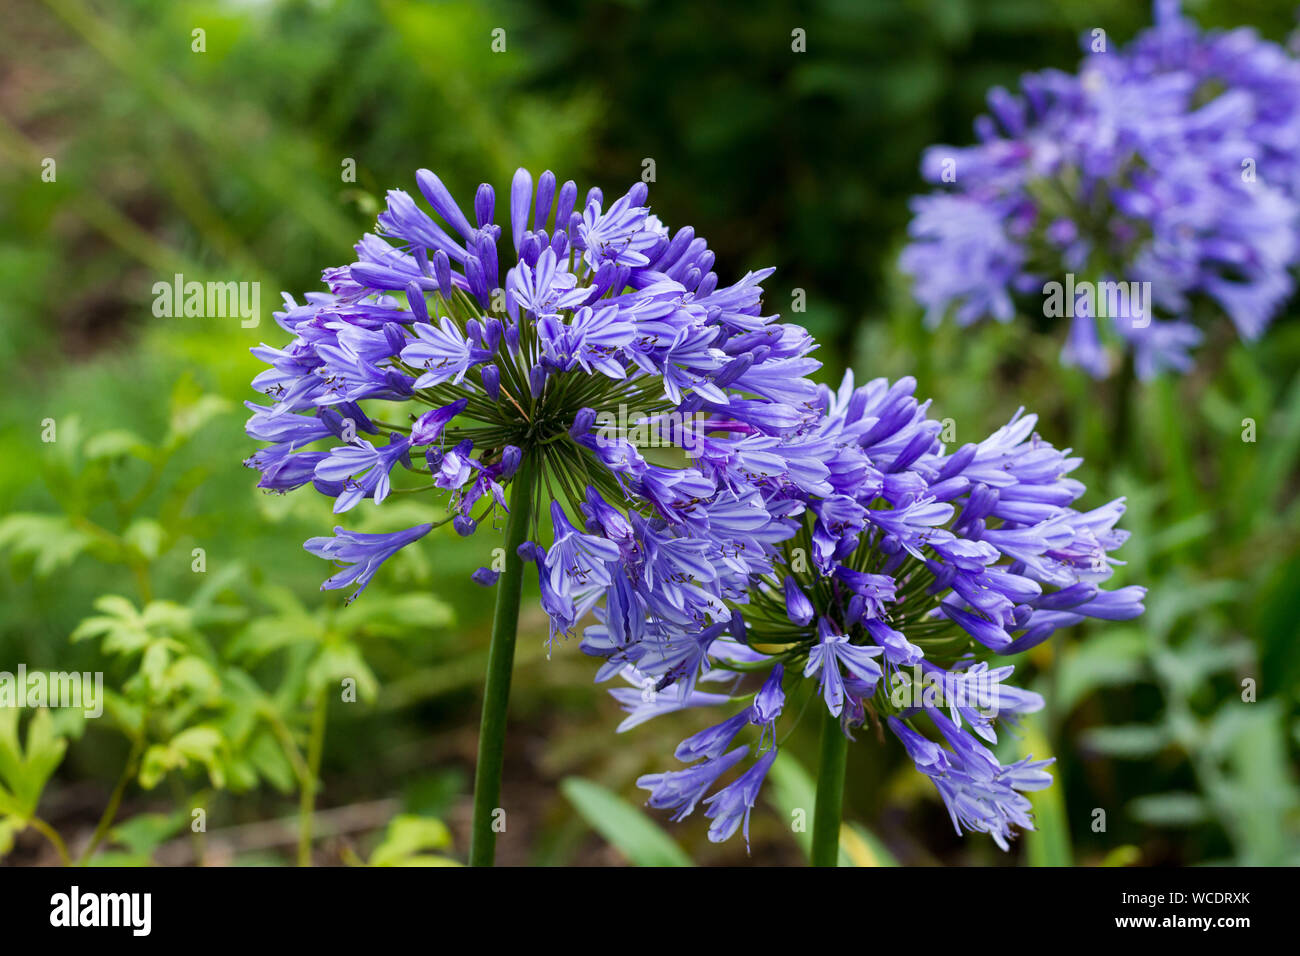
[[1139, 198], [886, 587], [577, 335]]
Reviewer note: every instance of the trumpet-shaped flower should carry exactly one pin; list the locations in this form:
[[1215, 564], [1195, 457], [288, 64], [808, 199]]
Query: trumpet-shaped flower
[[565, 334], [890, 591]]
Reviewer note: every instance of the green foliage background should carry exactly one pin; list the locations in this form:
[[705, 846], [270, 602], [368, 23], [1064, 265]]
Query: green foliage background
[[226, 164]]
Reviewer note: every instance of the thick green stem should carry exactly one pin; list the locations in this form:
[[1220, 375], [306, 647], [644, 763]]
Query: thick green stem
[[501, 658], [830, 794]]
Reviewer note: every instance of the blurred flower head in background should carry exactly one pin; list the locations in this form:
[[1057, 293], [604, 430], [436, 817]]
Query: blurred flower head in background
[[1157, 188], [904, 570]]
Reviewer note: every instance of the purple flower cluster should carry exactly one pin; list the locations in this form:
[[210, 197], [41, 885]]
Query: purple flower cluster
[[1174, 162], [883, 568], [450, 351], [730, 525]]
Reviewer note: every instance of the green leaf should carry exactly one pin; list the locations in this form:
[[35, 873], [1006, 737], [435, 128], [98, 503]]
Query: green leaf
[[1048, 844], [1126, 855], [203, 605], [863, 847], [145, 536], [1127, 741], [791, 790], [1180, 534], [407, 836], [191, 410], [399, 615], [624, 826], [268, 634], [1273, 474], [201, 744], [1182, 598], [25, 771], [120, 626], [1259, 801], [154, 662], [167, 617], [190, 674], [125, 714], [126, 631], [1112, 658], [50, 542], [1169, 809], [337, 663], [115, 444], [1192, 662], [145, 832], [267, 757]]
